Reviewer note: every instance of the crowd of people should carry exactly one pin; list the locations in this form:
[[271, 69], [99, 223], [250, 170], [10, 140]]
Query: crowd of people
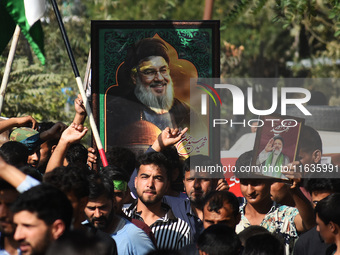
[[52, 201]]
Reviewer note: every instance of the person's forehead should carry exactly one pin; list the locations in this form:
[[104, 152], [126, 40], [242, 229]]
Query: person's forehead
[[192, 173], [26, 217], [320, 194], [151, 169], [153, 62], [44, 146], [98, 202]]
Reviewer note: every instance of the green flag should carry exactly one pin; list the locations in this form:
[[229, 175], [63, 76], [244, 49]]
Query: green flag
[[26, 14]]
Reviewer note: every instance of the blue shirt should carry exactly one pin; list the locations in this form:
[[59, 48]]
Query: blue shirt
[[131, 240]]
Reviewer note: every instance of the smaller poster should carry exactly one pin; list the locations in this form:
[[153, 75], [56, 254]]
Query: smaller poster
[[276, 144]]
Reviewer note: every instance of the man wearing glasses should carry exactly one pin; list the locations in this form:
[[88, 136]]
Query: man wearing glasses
[[151, 93]]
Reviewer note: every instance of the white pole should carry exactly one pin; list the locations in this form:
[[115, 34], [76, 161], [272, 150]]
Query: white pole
[[87, 72], [8, 67]]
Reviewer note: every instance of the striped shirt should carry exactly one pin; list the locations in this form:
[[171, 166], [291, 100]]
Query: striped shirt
[[171, 233]]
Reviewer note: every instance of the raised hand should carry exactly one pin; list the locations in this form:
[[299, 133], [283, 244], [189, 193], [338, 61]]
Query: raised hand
[[269, 147], [168, 137], [74, 133]]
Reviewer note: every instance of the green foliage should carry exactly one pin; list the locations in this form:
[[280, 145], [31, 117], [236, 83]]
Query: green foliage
[[34, 92], [273, 32]]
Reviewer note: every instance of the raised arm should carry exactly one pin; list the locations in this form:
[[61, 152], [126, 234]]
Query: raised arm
[[26, 121], [11, 174], [72, 134], [305, 220]]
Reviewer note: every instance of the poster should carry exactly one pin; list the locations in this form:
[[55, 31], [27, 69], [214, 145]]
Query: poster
[[141, 74]]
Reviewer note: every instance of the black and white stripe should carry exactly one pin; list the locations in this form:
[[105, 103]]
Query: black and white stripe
[[171, 233]]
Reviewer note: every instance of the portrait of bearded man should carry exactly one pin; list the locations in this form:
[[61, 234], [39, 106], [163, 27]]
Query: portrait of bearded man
[[148, 102], [272, 156]]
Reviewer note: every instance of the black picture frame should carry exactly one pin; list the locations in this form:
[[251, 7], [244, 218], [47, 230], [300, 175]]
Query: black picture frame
[[197, 42]]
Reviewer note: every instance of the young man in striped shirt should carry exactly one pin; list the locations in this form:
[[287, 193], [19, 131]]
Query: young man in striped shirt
[[151, 184]]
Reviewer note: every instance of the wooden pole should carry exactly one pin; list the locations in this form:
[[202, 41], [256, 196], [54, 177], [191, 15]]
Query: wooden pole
[[8, 67], [208, 9], [80, 85]]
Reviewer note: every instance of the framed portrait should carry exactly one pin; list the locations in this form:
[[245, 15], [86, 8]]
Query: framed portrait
[[276, 144], [141, 73]]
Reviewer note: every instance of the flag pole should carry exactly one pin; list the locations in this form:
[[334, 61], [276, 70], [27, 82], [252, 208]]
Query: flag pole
[[8, 67], [80, 85], [87, 72]]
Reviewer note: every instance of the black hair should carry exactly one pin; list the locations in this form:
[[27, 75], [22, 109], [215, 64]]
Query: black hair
[[100, 185], [71, 178], [44, 126], [47, 202], [156, 158], [204, 162], [219, 240], [123, 158], [76, 154], [264, 244], [216, 199], [197, 160], [309, 140], [322, 184], [31, 171], [244, 160], [114, 173], [77, 242], [328, 209], [250, 231], [14, 153]]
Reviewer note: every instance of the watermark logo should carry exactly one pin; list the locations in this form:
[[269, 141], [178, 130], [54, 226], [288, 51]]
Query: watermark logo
[[239, 99], [204, 98]]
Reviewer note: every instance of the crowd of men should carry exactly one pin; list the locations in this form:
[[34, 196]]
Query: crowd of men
[[53, 202]]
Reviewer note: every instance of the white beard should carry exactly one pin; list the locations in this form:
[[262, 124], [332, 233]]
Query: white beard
[[277, 152], [159, 104]]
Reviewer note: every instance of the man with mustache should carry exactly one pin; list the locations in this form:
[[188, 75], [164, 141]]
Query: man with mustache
[[272, 156], [100, 213], [148, 93], [41, 215], [151, 182], [8, 194]]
